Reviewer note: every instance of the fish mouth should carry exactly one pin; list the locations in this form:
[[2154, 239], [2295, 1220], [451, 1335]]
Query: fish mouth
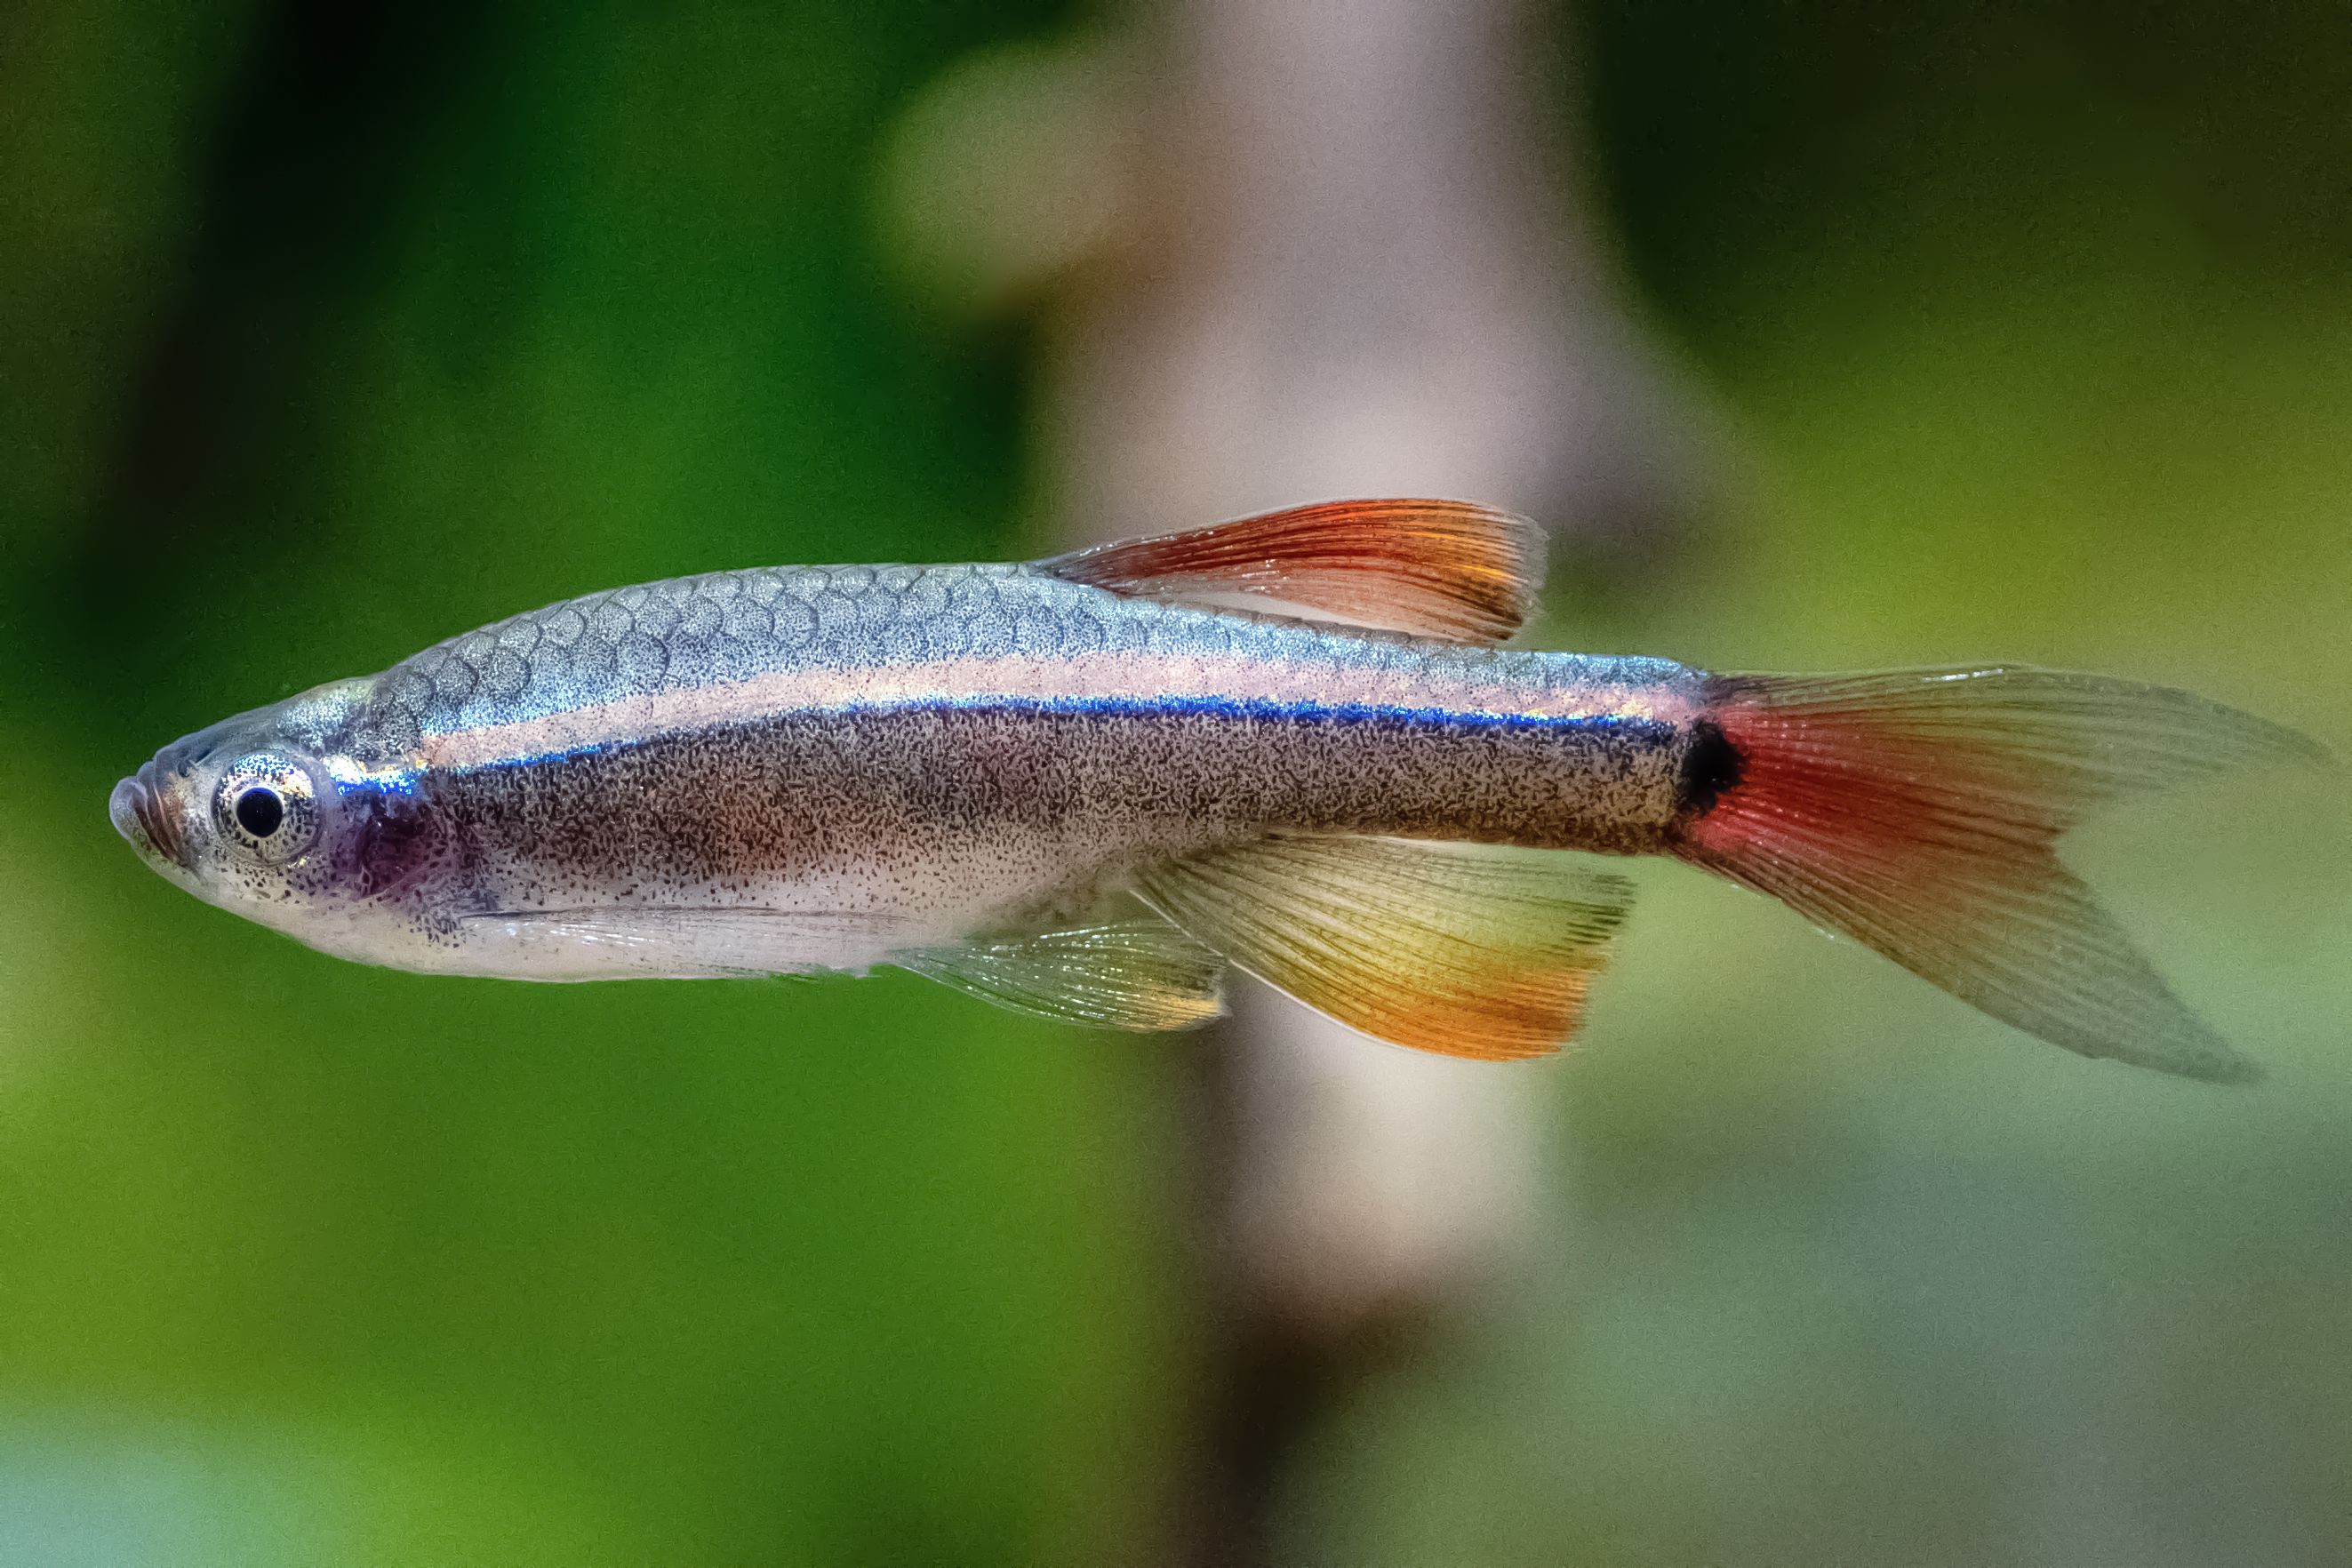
[[144, 811]]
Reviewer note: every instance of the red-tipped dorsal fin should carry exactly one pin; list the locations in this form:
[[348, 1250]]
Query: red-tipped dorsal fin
[[1435, 568], [1919, 811]]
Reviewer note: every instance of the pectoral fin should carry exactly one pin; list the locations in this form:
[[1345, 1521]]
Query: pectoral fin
[[1460, 949]]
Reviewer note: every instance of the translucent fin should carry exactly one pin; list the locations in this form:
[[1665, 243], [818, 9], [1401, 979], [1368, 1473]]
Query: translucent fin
[[1461, 948], [1434, 568], [1918, 810], [1135, 974]]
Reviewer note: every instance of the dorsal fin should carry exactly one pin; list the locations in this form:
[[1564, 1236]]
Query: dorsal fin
[[1435, 568]]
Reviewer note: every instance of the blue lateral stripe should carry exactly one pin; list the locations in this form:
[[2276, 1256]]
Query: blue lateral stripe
[[1633, 727]]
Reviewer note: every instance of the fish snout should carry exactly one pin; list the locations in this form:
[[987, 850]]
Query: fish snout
[[146, 811]]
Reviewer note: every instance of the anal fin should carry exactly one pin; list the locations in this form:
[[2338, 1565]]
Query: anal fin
[[1463, 949], [1139, 974]]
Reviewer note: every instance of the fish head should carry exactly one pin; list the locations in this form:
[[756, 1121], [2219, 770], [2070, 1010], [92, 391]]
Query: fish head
[[269, 816]]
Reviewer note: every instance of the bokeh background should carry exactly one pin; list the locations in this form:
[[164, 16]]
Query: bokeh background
[[1963, 330]]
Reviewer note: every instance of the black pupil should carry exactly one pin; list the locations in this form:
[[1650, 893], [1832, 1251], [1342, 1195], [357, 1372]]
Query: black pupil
[[259, 811]]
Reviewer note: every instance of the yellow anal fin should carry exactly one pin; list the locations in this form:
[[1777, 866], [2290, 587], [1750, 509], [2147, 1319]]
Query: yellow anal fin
[[1129, 975], [1434, 568], [1465, 950]]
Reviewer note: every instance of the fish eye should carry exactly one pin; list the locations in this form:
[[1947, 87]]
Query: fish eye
[[265, 807], [259, 810]]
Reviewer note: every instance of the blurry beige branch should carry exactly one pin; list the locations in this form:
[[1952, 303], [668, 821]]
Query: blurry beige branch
[[1288, 251]]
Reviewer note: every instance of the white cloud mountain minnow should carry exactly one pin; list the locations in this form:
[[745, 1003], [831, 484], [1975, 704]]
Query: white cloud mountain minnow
[[1085, 786]]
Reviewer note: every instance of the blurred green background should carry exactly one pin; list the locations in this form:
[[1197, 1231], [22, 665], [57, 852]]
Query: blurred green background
[[330, 331]]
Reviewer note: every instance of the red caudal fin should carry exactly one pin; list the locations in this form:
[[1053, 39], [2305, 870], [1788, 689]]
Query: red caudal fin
[[1918, 811], [1437, 568]]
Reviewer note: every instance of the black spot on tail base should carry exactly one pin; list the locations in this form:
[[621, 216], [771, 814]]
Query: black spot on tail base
[[1712, 768]]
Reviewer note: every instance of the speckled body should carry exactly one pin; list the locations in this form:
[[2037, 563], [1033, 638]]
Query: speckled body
[[877, 760]]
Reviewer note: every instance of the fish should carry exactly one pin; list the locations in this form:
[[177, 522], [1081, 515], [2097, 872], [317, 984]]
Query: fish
[[1091, 786]]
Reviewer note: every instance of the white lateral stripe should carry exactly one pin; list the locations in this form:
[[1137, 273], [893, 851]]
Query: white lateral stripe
[[1142, 678]]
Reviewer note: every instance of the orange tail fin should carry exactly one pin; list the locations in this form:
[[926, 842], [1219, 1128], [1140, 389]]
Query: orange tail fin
[[1918, 811]]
